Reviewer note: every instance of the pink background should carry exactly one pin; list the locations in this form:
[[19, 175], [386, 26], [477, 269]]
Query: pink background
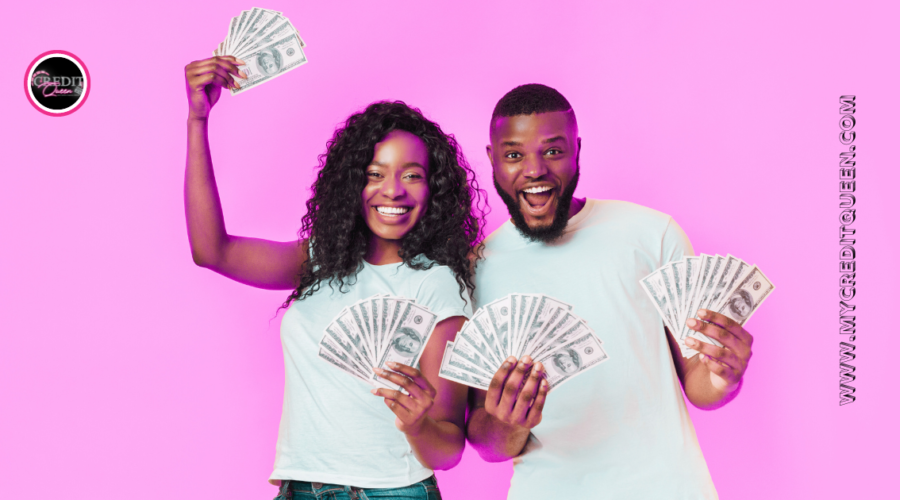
[[127, 370]]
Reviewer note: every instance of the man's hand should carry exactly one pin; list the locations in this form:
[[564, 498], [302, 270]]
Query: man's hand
[[728, 363], [517, 393]]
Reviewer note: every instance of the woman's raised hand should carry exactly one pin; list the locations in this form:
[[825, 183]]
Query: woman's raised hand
[[205, 79], [411, 409]]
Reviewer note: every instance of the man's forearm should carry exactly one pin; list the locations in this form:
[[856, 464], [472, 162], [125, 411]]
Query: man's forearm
[[438, 445], [493, 440], [702, 394]]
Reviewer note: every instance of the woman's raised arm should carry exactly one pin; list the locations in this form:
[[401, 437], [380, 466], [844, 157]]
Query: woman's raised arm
[[261, 263]]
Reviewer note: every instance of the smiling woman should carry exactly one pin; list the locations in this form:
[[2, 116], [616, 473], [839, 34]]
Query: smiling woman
[[391, 214]]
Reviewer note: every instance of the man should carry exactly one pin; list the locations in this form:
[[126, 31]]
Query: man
[[620, 430]]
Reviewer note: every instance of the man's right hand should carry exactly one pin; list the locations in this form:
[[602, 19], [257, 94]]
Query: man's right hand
[[517, 393], [205, 79]]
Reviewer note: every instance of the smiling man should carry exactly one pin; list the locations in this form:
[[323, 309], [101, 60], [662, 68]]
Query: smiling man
[[621, 430]]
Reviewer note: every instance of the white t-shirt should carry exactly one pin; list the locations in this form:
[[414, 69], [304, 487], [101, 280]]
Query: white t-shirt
[[620, 430], [333, 430]]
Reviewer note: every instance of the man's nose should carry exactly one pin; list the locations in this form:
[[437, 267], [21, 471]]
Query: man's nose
[[534, 167]]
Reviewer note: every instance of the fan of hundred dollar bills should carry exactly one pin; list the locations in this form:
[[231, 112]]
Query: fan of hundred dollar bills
[[726, 285], [374, 332], [267, 42], [518, 325]]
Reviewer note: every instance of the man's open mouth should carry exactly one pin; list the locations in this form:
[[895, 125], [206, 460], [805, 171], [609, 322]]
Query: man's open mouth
[[536, 200]]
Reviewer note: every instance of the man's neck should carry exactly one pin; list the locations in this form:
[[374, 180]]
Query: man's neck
[[576, 206]]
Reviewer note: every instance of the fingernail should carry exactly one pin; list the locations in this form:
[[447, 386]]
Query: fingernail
[[374, 391], [690, 341], [511, 359], [393, 364], [544, 384], [538, 366], [379, 371], [506, 365], [702, 356], [527, 359], [242, 63], [692, 322], [243, 75], [702, 313]]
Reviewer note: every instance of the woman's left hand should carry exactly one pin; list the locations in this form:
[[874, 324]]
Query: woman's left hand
[[411, 409]]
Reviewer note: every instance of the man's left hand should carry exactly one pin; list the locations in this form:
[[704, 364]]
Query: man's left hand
[[728, 363]]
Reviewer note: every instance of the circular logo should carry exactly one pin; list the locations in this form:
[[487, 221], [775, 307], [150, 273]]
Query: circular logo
[[57, 83], [504, 311], [588, 350], [417, 320], [289, 52], [756, 285]]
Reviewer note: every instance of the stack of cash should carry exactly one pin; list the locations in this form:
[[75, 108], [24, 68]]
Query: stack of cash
[[267, 42], [374, 332], [517, 325], [726, 285]]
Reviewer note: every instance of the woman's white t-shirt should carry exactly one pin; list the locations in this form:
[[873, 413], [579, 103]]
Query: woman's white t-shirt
[[333, 430]]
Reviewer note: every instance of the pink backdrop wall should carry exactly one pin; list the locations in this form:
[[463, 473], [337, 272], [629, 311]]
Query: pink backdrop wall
[[126, 369]]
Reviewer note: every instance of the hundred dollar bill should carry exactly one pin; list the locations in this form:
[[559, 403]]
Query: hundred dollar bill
[[706, 264], [572, 358], [544, 309], [408, 339], [678, 284], [256, 22], [361, 317], [706, 295], [335, 335], [337, 350], [468, 352], [348, 326], [565, 329], [471, 336], [455, 374], [691, 271], [668, 285], [658, 297], [498, 312], [327, 356], [747, 296], [722, 280], [270, 62], [741, 270], [482, 324]]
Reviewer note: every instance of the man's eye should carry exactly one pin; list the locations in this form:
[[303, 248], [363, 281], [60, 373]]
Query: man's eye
[[553, 151], [513, 155]]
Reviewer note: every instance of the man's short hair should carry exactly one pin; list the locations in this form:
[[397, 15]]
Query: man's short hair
[[529, 99]]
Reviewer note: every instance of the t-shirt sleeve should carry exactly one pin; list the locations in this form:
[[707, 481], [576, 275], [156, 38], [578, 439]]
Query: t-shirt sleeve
[[675, 244], [439, 292]]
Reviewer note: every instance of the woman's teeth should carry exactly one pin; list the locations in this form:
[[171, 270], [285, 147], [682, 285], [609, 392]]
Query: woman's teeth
[[392, 210]]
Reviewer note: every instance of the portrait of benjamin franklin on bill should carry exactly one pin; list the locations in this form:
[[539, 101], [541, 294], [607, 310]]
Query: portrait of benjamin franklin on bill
[[740, 304], [406, 341], [269, 61], [567, 361]]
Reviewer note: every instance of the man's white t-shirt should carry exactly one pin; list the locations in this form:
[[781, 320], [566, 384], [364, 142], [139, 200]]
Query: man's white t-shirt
[[333, 430], [620, 430]]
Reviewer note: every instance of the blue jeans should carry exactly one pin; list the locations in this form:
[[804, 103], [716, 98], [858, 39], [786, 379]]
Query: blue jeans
[[302, 490]]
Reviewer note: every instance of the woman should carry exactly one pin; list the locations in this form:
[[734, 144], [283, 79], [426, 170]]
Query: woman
[[391, 212]]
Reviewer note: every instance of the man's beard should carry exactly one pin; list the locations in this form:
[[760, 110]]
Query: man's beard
[[549, 233]]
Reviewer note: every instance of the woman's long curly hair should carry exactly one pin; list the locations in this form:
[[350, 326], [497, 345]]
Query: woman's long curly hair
[[448, 233]]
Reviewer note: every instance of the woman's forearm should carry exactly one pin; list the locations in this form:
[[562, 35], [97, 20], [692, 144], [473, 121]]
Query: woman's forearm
[[205, 223]]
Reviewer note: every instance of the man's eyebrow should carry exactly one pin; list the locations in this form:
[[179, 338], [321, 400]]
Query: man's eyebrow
[[554, 139], [510, 143]]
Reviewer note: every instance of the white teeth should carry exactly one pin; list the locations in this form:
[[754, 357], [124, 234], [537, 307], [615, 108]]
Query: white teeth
[[539, 189], [392, 210]]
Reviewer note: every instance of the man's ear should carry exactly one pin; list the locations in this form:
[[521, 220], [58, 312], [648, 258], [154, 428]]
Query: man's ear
[[490, 154], [578, 153]]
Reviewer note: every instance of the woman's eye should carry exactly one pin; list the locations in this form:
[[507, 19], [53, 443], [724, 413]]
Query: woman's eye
[[373, 174], [413, 176]]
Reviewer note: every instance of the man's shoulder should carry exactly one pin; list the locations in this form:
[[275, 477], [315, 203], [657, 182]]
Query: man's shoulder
[[625, 211]]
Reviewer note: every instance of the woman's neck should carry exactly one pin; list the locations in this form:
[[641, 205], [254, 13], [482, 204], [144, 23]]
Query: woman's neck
[[380, 251]]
